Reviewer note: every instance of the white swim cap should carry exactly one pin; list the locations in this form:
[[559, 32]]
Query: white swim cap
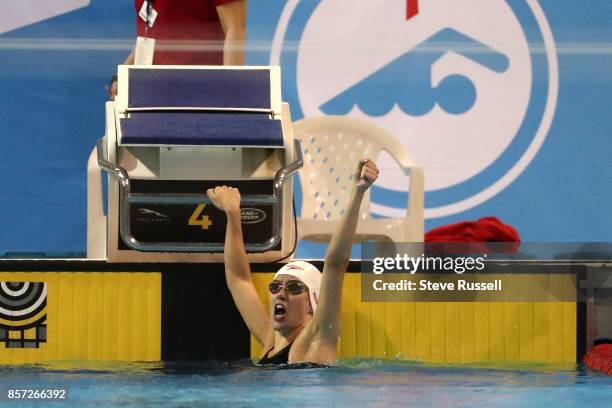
[[308, 274]]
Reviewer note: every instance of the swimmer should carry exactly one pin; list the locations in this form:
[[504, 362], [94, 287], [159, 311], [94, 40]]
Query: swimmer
[[302, 324]]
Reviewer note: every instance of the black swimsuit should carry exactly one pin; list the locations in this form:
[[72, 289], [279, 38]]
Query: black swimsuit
[[282, 359]]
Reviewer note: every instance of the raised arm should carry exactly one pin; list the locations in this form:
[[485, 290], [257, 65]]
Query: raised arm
[[237, 270], [326, 321], [232, 16]]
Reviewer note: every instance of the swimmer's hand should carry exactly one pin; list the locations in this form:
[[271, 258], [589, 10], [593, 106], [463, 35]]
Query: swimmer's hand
[[225, 198], [365, 175]]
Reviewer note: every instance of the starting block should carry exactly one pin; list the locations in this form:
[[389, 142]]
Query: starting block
[[172, 133]]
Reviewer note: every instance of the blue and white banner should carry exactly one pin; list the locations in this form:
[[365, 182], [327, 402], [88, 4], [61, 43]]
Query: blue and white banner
[[457, 84], [501, 101], [504, 103]]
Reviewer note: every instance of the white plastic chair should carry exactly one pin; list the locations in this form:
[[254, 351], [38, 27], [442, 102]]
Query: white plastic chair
[[332, 146]]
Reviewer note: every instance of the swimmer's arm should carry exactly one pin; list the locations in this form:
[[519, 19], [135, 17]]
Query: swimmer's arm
[[240, 282], [326, 322], [237, 270], [233, 21]]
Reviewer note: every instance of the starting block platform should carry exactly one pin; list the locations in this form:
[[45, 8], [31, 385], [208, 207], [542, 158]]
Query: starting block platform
[[172, 133]]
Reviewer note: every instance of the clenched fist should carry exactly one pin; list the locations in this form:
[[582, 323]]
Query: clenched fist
[[365, 175], [225, 198]]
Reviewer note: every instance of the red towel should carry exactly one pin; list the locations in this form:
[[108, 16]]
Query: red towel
[[488, 229], [599, 358]]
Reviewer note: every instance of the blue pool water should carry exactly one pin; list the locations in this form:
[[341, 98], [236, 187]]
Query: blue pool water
[[353, 383]]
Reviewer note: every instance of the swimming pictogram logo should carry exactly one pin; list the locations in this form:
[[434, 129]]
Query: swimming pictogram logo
[[469, 87]]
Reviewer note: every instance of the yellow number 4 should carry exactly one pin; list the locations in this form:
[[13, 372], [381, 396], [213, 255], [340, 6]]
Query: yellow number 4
[[195, 219]]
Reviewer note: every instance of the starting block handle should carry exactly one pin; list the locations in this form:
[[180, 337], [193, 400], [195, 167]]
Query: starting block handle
[[281, 175], [115, 171], [126, 198]]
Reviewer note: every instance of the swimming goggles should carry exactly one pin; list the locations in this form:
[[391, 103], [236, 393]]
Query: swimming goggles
[[295, 287]]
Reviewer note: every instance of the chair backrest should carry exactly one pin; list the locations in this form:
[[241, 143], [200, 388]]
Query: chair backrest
[[332, 146]]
